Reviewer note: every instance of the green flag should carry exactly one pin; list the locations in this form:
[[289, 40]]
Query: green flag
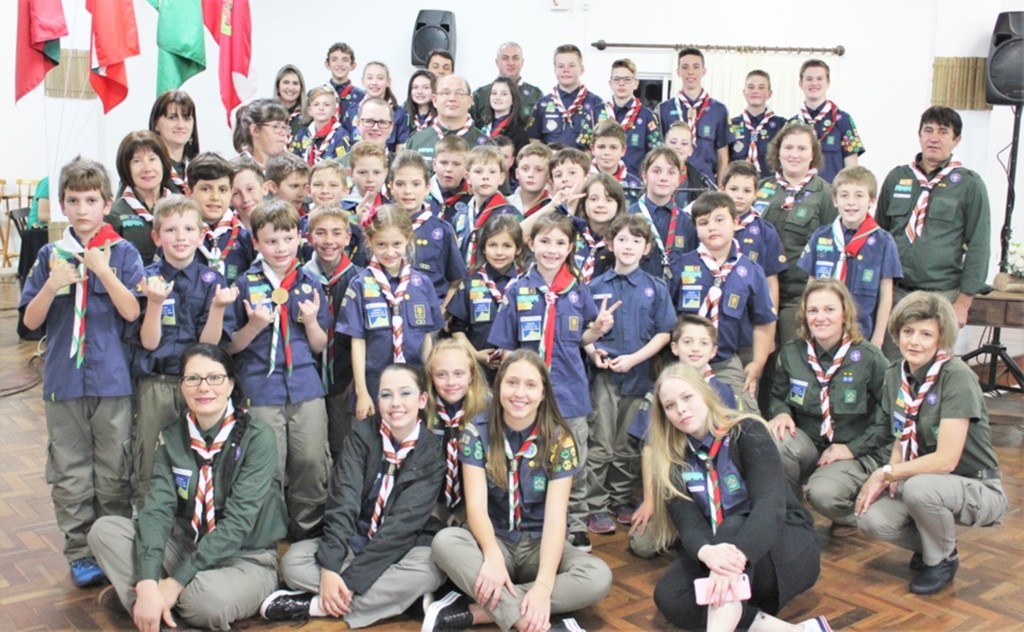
[[179, 36]]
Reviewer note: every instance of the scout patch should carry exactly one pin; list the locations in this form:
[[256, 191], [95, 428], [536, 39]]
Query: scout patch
[[482, 310], [868, 276], [167, 316], [797, 390], [898, 420], [734, 301], [209, 276], [823, 269], [419, 314], [850, 396], [801, 212], [732, 483], [692, 476], [377, 317], [181, 480], [932, 399], [574, 323], [906, 181], [540, 483], [529, 329], [691, 297], [855, 355], [232, 271]]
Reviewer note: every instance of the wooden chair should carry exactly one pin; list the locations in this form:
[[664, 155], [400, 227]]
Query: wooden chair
[[23, 197]]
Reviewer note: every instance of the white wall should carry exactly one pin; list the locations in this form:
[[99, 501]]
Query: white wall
[[884, 79]]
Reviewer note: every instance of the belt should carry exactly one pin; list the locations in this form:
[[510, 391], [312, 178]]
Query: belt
[[986, 474]]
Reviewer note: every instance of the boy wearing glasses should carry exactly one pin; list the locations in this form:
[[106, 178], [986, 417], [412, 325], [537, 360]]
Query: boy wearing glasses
[[571, 112], [639, 122], [452, 100], [182, 302]]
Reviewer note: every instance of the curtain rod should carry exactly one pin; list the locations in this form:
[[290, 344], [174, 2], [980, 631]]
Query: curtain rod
[[838, 51]]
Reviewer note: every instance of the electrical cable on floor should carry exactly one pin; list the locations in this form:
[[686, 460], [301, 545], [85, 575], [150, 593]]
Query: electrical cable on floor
[[35, 363]]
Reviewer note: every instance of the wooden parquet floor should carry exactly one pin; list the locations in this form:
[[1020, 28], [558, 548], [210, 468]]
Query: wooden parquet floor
[[863, 584]]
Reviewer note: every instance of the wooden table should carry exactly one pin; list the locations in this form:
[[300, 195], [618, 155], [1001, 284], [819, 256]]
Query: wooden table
[[997, 310]]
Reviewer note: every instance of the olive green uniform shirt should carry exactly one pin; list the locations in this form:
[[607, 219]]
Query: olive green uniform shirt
[[528, 94], [424, 141], [813, 208], [133, 228], [251, 517], [855, 392], [953, 249], [954, 395]]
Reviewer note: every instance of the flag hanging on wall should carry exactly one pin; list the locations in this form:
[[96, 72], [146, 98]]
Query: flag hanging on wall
[[179, 36], [230, 25], [115, 38], [40, 26]]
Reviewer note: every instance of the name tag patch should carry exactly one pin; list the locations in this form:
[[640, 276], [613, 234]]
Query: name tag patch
[[181, 480], [377, 317], [530, 328], [797, 390], [167, 316]]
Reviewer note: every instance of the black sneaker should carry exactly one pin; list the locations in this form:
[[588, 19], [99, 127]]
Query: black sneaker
[[934, 578], [581, 541], [449, 614], [286, 605], [566, 625]]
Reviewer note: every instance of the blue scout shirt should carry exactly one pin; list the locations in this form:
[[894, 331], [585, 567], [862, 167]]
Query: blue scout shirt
[[465, 219], [342, 376], [839, 138], [735, 497], [641, 421], [646, 311], [519, 324], [349, 98], [760, 242], [253, 362], [533, 480], [603, 258], [237, 252], [712, 131], [642, 134], [399, 130], [355, 251], [745, 298], [437, 255], [337, 146], [105, 370], [685, 238], [877, 260], [365, 314], [473, 308], [740, 137], [182, 316], [448, 204], [548, 126]]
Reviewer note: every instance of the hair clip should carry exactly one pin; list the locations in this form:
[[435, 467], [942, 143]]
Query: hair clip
[[367, 218]]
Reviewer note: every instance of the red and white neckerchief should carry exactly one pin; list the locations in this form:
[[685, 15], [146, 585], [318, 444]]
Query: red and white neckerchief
[[847, 250], [695, 110], [328, 283], [824, 378], [394, 299], [421, 218], [206, 505], [282, 322], [492, 287], [468, 125], [563, 282], [497, 126], [394, 459], [593, 245], [477, 221], [178, 179], [423, 121], [793, 190], [65, 251], [544, 200], [448, 200], [916, 224], [515, 514], [709, 373], [748, 219], [577, 104], [830, 110], [452, 485], [912, 403], [755, 134], [620, 170], [215, 257], [629, 120], [720, 273], [318, 149], [343, 92], [666, 245], [128, 195]]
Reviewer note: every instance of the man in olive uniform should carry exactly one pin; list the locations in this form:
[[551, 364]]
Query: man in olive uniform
[[452, 100], [510, 64], [937, 211]]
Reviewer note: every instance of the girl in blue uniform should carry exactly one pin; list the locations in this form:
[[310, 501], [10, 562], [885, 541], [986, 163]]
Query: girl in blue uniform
[[718, 479], [458, 393], [550, 311], [603, 203], [475, 304], [389, 310], [513, 563]]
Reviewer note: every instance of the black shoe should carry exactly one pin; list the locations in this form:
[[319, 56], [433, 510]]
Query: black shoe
[[286, 605], [449, 614], [581, 541], [566, 625], [934, 578], [917, 563]]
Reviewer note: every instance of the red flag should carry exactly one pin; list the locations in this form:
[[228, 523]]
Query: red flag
[[115, 38], [40, 26], [230, 25]]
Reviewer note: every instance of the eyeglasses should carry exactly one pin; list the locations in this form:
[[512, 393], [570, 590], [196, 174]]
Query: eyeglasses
[[193, 381], [623, 80], [280, 128], [447, 94], [376, 123]]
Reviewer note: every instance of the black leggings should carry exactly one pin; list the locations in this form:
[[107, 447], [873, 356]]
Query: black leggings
[[675, 597]]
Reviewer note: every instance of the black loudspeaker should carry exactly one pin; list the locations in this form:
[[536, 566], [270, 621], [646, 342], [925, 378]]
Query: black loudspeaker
[[1004, 77], [434, 30]]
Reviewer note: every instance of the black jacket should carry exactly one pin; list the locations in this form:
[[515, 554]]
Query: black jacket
[[350, 505], [777, 524]]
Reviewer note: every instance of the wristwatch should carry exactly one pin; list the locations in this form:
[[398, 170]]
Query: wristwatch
[[887, 473]]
